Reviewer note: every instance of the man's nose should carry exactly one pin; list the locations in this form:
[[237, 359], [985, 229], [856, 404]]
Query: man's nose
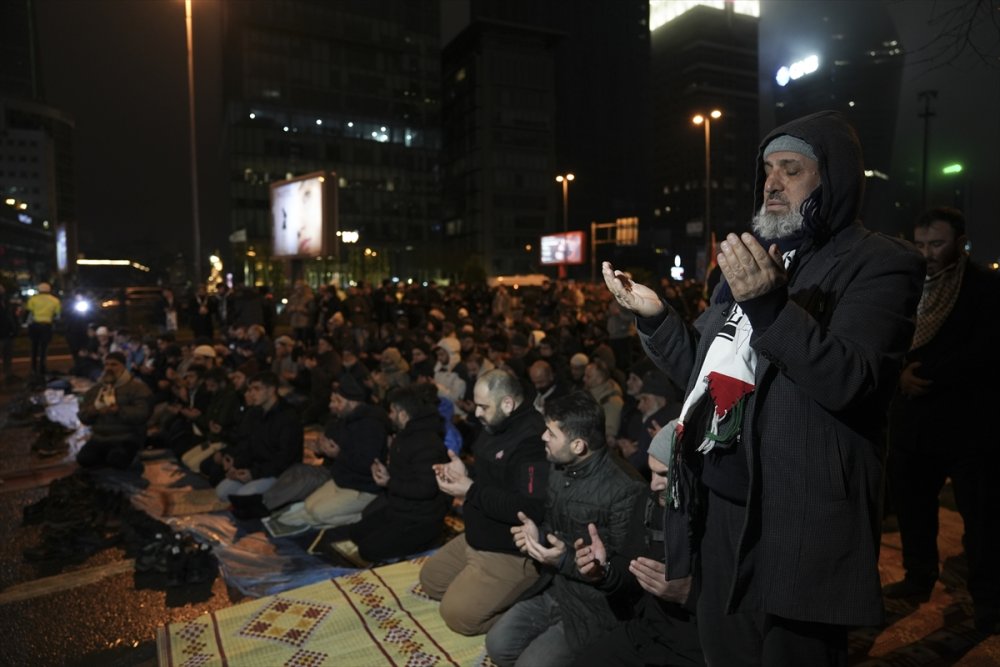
[[772, 184]]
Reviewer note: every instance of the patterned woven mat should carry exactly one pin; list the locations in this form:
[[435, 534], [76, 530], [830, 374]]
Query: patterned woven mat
[[372, 617], [381, 617]]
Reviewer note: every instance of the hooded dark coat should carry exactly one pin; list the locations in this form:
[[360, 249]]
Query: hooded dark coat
[[829, 348]]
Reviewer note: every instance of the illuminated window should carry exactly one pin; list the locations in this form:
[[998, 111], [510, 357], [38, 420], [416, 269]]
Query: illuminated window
[[664, 11]]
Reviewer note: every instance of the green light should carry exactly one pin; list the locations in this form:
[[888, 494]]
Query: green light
[[952, 169]]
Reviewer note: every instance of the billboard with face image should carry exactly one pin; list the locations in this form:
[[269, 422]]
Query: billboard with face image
[[303, 215], [565, 248]]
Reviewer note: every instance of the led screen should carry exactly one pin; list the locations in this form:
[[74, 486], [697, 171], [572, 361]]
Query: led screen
[[566, 248], [298, 213]]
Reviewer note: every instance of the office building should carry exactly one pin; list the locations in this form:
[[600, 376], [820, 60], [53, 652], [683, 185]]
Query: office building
[[345, 87], [703, 59]]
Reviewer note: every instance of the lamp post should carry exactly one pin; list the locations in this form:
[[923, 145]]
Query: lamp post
[[925, 96], [565, 179], [707, 119], [194, 156]]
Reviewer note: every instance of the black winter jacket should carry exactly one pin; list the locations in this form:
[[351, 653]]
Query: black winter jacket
[[413, 492], [602, 490], [361, 436], [509, 476], [268, 443]]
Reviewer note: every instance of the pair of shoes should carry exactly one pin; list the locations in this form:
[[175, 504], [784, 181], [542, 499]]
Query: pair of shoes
[[50, 550], [201, 566], [987, 619], [71, 543], [911, 590], [152, 557], [51, 439], [189, 562], [35, 512]]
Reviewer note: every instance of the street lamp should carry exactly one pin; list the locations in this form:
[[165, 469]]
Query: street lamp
[[699, 119], [194, 157], [565, 179]]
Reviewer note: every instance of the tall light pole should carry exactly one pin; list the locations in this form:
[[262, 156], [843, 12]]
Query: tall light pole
[[699, 119], [925, 96], [194, 155], [565, 179]]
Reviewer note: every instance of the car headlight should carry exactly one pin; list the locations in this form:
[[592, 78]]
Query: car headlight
[[81, 306]]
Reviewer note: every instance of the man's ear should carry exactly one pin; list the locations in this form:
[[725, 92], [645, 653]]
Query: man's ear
[[507, 405], [579, 446]]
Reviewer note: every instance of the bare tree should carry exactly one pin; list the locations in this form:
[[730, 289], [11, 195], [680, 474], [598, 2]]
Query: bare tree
[[961, 27]]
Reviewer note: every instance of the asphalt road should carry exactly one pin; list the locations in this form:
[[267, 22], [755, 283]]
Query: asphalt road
[[96, 612]]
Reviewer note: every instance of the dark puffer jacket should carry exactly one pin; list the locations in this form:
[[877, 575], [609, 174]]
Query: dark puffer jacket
[[268, 443], [602, 490], [413, 492], [361, 436]]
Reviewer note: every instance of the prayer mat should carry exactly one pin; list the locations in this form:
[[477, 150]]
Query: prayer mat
[[368, 618]]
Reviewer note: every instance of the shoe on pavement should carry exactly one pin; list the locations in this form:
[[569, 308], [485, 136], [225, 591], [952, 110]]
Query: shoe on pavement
[[910, 590]]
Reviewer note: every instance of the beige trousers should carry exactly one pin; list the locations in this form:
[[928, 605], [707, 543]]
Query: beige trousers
[[475, 587]]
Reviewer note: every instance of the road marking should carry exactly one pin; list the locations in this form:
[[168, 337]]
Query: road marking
[[64, 582]]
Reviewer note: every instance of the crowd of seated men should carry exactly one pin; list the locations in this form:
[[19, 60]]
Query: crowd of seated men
[[405, 404]]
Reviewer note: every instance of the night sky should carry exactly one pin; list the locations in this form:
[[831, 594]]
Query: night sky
[[120, 68]]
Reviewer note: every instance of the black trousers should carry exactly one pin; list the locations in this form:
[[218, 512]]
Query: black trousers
[[382, 535], [752, 639], [40, 335], [917, 473], [658, 635], [114, 453]]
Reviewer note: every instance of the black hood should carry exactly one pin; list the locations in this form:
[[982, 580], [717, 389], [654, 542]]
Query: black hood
[[841, 171]]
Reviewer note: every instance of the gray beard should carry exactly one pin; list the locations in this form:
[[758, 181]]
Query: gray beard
[[776, 225]]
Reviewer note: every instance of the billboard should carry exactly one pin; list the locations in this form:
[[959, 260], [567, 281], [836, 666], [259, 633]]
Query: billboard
[[303, 215], [565, 248], [62, 249]]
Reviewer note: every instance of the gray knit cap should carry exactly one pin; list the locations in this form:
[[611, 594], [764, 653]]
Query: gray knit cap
[[662, 446], [787, 142]]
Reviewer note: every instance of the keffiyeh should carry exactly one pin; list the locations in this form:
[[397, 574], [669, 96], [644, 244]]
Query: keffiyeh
[[938, 298]]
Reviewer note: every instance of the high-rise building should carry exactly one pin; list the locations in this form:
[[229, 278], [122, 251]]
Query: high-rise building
[[703, 59], [595, 57], [36, 160], [19, 50], [350, 87], [498, 149], [918, 80], [36, 154], [836, 62]]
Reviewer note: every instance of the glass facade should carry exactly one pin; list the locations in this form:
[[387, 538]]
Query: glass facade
[[498, 160], [702, 60], [347, 87]]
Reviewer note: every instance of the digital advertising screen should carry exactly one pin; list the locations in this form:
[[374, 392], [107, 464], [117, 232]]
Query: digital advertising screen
[[565, 248], [62, 249], [302, 210]]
